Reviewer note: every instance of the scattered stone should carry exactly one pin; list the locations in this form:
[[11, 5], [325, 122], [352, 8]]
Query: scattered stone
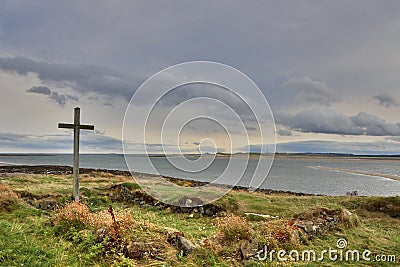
[[178, 239], [248, 248], [294, 236], [318, 221], [184, 244], [352, 193], [208, 212], [188, 202]]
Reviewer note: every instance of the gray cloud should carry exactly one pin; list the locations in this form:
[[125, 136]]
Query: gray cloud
[[386, 100], [39, 90], [285, 132], [82, 78], [250, 128], [61, 99], [312, 91], [90, 141], [358, 55], [331, 121], [73, 98]]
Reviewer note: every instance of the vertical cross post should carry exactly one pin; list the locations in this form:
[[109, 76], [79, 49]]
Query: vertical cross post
[[77, 126], [77, 121]]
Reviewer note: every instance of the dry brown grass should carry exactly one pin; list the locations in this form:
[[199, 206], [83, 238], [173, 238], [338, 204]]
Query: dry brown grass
[[104, 175], [234, 228], [131, 238], [8, 199], [77, 213], [277, 233]]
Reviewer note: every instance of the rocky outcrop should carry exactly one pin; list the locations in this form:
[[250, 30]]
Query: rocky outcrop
[[318, 221]]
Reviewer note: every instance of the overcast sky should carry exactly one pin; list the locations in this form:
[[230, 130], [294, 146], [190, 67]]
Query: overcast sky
[[330, 70]]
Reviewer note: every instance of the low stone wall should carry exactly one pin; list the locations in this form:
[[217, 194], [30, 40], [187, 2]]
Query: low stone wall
[[122, 193]]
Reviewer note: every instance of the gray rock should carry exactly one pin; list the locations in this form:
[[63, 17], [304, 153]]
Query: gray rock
[[185, 245], [248, 248], [185, 209], [188, 202], [294, 236], [309, 227], [208, 212]]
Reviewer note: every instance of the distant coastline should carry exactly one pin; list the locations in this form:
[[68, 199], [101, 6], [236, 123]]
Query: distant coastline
[[278, 154]]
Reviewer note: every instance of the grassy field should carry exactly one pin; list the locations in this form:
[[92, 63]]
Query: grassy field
[[85, 235]]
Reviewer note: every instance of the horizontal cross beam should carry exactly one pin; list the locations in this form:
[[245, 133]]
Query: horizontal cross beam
[[73, 126]]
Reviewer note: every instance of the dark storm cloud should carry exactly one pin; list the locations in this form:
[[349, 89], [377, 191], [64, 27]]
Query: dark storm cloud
[[39, 90], [331, 121], [82, 78], [386, 100], [311, 91]]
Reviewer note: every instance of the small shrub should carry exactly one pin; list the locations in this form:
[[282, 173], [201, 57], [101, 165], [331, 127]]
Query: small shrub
[[278, 230], [229, 203], [233, 228], [348, 219], [8, 199], [207, 257], [79, 216], [74, 214]]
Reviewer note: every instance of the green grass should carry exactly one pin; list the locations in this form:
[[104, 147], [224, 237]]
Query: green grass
[[26, 239], [28, 236]]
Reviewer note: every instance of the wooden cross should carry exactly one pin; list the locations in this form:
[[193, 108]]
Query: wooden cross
[[77, 126]]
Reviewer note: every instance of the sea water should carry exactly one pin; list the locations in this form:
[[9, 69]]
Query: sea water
[[305, 174]]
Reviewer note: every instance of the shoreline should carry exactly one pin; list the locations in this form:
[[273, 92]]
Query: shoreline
[[67, 170], [380, 175]]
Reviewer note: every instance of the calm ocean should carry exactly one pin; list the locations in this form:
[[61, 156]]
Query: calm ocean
[[315, 175]]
